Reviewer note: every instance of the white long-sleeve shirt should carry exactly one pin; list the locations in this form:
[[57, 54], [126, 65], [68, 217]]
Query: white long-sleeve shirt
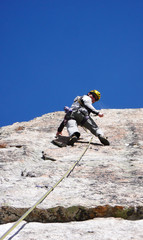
[[85, 102]]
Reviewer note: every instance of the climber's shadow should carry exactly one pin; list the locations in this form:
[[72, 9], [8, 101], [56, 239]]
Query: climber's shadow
[[92, 143], [62, 141]]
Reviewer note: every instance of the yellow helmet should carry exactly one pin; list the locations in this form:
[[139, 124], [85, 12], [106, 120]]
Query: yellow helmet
[[96, 94]]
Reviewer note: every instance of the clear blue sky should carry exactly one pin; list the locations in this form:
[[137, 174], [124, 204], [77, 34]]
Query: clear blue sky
[[53, 50]]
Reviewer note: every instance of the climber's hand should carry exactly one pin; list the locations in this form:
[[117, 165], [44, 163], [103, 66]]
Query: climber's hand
[[58, 133], [100, 114]]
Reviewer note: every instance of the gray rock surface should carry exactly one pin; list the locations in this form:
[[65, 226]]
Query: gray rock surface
[[107, 182]]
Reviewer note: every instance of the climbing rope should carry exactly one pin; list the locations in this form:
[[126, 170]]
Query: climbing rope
[[46, 194]]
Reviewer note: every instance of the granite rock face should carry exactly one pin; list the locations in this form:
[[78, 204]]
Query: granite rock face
[[107, 182]]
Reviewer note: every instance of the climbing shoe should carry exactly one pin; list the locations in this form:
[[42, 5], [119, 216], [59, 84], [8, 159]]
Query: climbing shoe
[[103, 140], [72, 140]]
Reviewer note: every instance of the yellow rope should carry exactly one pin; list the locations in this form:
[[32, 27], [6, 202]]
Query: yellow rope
[[45, 195]]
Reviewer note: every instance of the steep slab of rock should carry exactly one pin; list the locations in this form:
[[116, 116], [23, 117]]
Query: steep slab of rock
[[110, 175], [106, 175]]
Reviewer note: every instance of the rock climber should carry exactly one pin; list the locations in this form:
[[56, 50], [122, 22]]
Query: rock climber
[[79, 114]]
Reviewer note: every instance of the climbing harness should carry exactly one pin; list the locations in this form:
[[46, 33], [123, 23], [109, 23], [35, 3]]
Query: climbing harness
[[46, 194], [80, 108]]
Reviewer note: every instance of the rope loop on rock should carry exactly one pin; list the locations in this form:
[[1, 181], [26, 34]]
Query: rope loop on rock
[[45, 195]]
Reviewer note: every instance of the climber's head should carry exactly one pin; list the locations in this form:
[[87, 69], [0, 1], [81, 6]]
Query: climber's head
[[95, 95]]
